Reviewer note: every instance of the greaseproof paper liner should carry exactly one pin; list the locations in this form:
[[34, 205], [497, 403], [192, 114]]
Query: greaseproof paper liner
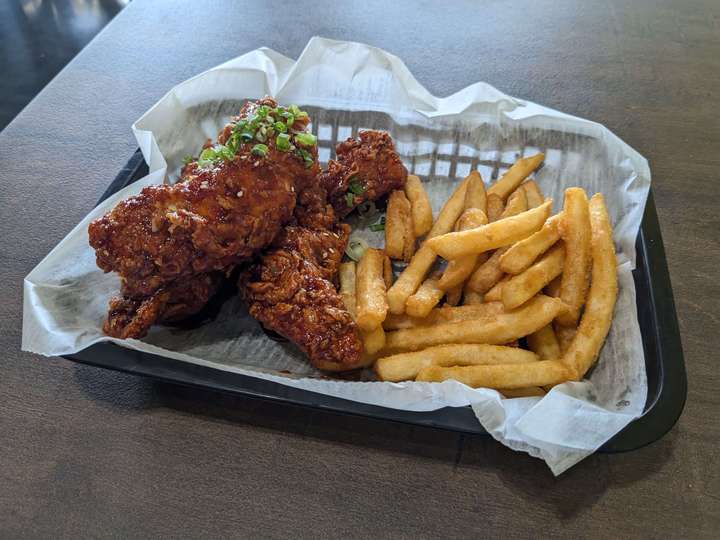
[[345, 87]]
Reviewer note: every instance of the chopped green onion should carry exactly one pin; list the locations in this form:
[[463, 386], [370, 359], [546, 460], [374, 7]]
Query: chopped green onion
[[260, 150], [282, 142], [294, 109], [290, 120], [280, 127], [207, 155], [349, 199], [226, 153], [188, 159], [302, 115], [247, 136], [263, 110], [376, 227], [356, 248], [356, 187], [306, 139]]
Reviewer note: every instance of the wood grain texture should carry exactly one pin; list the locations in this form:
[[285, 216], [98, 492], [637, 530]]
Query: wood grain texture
[[90, 453]]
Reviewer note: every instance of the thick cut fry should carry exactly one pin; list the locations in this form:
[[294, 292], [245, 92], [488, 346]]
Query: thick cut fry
[[520, 256], [347, 287], [515, 175], [502, 328], [495, 294], [406, 366], [528, 391], [504, 376], [388, 275], [458, 270], [425, 298], [553, 288], [574, 229], [519, 289], [600, 305], [409, 246], [444, 314], [501, 233], [453, 296], [408, 282], [534, 195], [516, 204], [471, 298], [495, 207], [373, 341], [565, 335], [544, 343], [487, 274], [370, 290], [422, 217], [475, 196], [397, 218]]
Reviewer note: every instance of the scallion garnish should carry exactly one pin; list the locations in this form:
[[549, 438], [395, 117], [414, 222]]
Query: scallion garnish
[[282, 142], [377, 227], [349, 199], [280, 127], [356, 187], [260, 150], [306, 139]]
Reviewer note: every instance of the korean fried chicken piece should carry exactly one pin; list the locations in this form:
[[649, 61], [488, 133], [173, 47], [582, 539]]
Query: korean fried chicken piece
[[366, 169], [290, 291], [228, 205]]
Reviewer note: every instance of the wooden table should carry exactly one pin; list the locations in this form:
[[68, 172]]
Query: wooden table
[[88, 452]]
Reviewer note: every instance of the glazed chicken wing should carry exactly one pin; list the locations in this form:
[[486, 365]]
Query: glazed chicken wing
[[171, 243]]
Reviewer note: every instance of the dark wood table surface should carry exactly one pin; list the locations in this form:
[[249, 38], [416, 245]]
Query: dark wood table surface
[[89, 452]]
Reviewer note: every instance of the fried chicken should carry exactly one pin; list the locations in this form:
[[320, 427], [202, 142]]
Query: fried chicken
[[291, 289], [365, 170], [171, 243]]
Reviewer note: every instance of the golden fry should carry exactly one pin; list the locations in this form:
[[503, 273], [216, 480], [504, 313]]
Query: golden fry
[[409, 246], [425, 298], [501, 328], [347, 287], [565, 336], [528, 391], [406, 366], [410, 279], [519, 289], [534, 196], [373, 341], [495, 207], [422, 217], [502, 376], [515, 175], [574, 229], [458, 270], [471, 298], [521, 255], [600, 305], [444, 314], [370, 290], [397, 218], [388, 275], [487, 274], [516, 204], [495, 294], [553, 288], [475, 196], [453, 296], [501, 233], [544, 343]]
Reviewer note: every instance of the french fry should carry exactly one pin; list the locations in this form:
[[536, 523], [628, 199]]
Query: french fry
[[515, 175], [458, 270], [600, 305], [370, 290], [574, 228], [397, 218], [347, 287], [373, 341], [520, 256], [553, 288], [388, 275], [501, 328], [471, 298], [519, 289], [406, 366], [516, 204], [534, 196], [495, 294], [544, 343], [444, 314], [454, 295], [528, 391], [425, 298], [409, 246], [495, 207], [422, 217], [475, 196], [503, 376], [487, 274], [565, 336], [410, 279], [501, 233]]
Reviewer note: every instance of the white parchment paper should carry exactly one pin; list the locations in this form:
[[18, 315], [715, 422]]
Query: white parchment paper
[[346, 87]]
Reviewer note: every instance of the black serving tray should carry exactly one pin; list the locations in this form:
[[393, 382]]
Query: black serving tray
[[667, 383]]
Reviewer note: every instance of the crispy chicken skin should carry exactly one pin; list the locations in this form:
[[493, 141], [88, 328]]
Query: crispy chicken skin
[[173, 237], [291, 289], [370, 161]]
